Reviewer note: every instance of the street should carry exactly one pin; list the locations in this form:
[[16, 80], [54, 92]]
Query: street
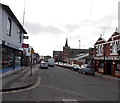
[[60, 84]]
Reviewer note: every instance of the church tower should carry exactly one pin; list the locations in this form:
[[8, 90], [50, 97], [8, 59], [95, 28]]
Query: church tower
[[66, 47], [66, 51]]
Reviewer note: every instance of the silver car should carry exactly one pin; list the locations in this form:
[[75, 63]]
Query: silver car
[[44, 64]]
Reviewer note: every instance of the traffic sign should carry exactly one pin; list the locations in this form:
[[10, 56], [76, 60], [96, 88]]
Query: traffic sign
[[32, 51]]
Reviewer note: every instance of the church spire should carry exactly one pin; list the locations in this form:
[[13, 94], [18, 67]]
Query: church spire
[[66, 44]]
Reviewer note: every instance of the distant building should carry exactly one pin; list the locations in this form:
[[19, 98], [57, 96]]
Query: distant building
[[106, 57], [84, 58], [10, 41], [46, 58], [57, 55], [67, 54]]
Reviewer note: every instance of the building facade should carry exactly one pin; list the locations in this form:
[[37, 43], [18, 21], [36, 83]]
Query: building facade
[[68, 53], [106, 57], [11, 41]]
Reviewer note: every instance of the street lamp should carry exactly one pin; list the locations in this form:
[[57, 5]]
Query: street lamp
[[79, 44], [104, 30]]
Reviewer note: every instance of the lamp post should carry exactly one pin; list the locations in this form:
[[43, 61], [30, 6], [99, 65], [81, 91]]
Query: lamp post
[[79, 44], [104, 30]]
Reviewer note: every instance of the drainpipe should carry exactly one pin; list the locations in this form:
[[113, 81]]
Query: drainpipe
[[104, 71]]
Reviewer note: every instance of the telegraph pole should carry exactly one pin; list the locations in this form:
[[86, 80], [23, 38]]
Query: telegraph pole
[[24, 12], [104, 30]]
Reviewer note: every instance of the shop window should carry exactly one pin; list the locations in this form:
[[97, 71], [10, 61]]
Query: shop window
[[117, 70], [101, 67], [17, 58], [9, 25], [7, 58], [118, 66]]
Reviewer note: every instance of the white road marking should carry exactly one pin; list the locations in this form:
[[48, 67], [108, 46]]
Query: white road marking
[[15, 91], [70, 100]]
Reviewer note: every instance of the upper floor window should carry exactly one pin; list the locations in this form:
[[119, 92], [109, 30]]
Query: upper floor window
[[9, 25], [20, 36], [115, 47], [99, 49]]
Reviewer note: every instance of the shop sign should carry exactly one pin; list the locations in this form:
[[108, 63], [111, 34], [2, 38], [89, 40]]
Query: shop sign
[[25, 37], [25, 45], [32, 51]]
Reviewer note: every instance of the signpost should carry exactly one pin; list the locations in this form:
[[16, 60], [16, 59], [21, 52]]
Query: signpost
[[32, 52]]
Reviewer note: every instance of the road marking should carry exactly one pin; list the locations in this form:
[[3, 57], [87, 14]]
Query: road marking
[[29, 88], [70, 100]]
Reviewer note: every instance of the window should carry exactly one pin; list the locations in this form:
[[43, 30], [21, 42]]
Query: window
[[9, 24], [99, 50], [114, 48], [118, 45], [17, 59], [7, 57], [20, 36], [118, 66]]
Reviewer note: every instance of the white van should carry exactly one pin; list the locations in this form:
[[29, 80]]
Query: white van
[[51, 62]]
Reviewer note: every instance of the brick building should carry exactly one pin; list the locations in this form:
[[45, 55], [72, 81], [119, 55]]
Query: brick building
[[67, 53], [106, 57]]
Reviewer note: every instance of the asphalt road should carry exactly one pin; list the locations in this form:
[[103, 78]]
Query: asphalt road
[[59, 84]]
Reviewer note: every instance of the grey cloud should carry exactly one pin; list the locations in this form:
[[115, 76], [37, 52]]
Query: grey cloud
[[70, 27], [35, 28]]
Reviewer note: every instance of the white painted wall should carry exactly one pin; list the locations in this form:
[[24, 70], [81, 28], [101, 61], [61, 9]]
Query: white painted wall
[[14, 38]]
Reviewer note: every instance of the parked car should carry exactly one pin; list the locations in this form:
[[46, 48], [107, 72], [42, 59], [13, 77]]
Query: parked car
[[66, 65], [81, 69], [43, 64], [89, 70], [75, 67]]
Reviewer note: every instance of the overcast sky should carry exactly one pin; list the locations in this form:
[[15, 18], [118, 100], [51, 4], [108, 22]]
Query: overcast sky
[[50, 22]]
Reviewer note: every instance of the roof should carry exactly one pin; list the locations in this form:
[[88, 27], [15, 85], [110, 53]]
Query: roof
[[82, 56], [115, 36], [8, 10], [66, 44], [100, 41]]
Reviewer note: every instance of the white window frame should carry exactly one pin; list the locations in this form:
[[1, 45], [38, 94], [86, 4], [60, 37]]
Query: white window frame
[[9, 25], [114, 48], [100, 50]]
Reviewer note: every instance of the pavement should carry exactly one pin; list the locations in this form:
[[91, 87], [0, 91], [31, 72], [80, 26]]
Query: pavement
[[24, 79], [20, 80], [107, 77]]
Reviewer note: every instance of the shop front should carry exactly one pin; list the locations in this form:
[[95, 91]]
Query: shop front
[[11, 59], [117, 68]]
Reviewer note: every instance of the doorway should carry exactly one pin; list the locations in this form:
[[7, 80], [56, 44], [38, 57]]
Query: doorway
[[109, 68]]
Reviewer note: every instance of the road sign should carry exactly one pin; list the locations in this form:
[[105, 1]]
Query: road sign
[[25, 45], [32, 51], [25, 37]]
